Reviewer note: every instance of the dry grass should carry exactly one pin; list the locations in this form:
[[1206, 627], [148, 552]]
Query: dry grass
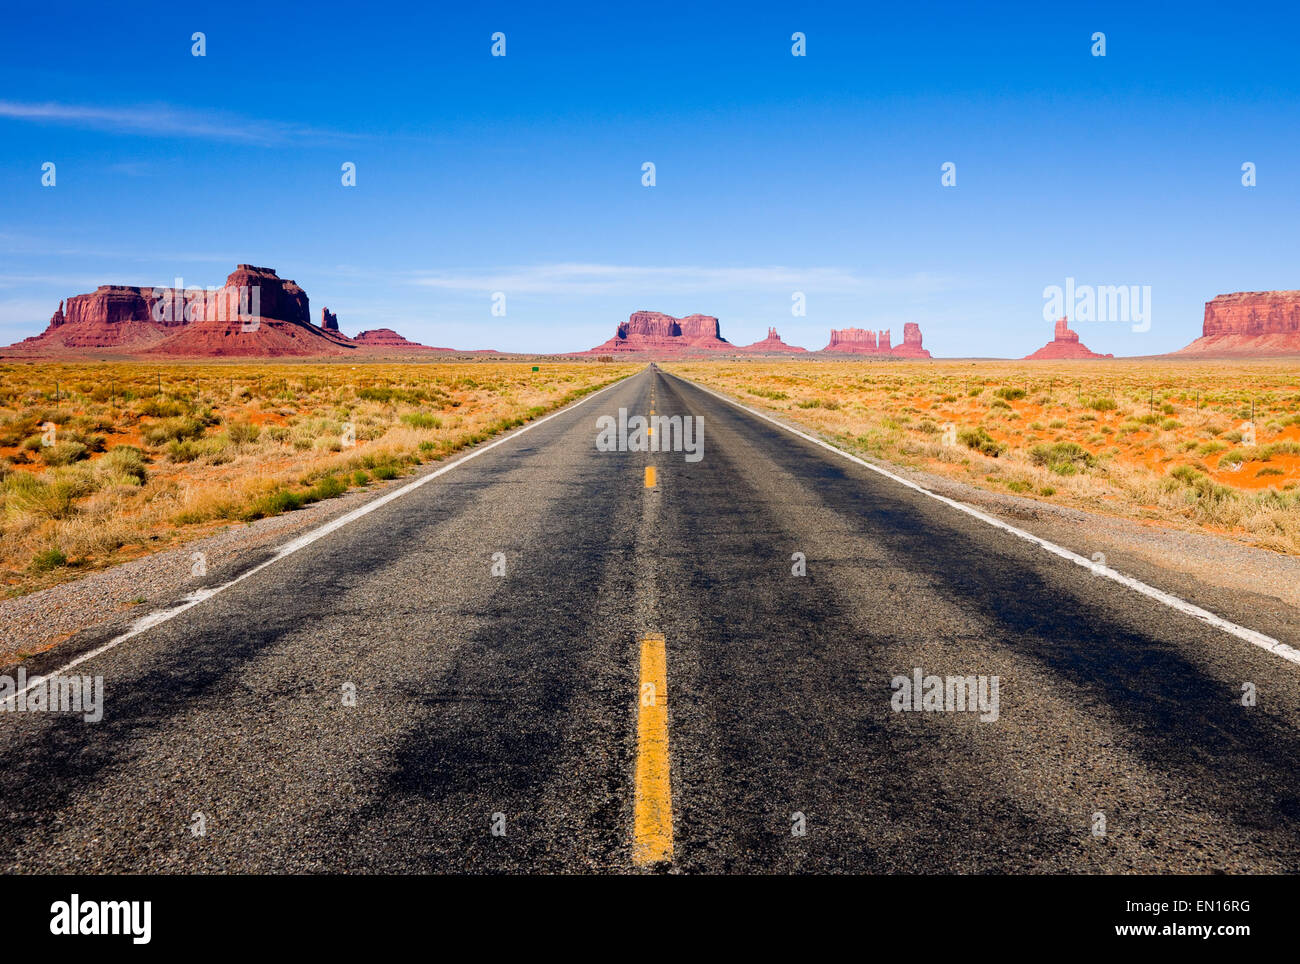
[[1160, 441], [100, 463]]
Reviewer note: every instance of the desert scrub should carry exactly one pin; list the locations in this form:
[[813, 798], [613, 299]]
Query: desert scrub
[[422, 420], [172, 452], [50, 499], [827, 403], [64, 453], [242, 432], [48, 559], [979, 439], [172, 430], [1063, 458], [121, 463], [1153, 417]]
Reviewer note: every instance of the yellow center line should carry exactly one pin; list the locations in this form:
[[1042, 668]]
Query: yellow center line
[[652, 840], [649, 476]]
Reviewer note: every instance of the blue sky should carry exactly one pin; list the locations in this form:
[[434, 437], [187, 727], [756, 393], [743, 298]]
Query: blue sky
[[774, 173]]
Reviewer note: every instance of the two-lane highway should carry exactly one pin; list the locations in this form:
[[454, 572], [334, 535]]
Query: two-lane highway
[[551, 658]]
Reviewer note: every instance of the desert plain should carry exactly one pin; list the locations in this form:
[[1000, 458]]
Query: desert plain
[[104, 462]]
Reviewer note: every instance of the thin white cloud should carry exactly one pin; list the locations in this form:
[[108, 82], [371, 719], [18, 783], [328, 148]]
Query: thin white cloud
[[161, 120], [609, 279]]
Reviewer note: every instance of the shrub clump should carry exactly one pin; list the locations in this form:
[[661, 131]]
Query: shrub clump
[[172, 430], [1063, 458], [980, 440]]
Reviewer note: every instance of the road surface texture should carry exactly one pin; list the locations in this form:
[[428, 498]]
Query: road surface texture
[[649, 685]]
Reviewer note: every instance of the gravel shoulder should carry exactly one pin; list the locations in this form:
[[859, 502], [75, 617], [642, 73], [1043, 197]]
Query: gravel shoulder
[[109, 600]]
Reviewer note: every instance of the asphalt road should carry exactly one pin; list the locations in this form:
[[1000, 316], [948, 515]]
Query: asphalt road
[[500, 722]]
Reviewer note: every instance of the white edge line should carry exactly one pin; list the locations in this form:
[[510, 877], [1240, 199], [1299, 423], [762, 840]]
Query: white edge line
[[161, 616], [1273, 646]]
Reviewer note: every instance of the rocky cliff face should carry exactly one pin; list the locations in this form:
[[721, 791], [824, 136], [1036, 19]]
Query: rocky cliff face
[[1065, 344], [861, 341], [279, 299], [911, 346], [1253, 313], [111, 316], [256, 313], [858, 340], [657, 332], [110, 305], [1249, 323]]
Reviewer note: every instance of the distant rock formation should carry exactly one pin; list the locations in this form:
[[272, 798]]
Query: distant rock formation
[[653, 331], [280, 299], [772, 343], [109, 305], [386, 338], [256, 313], [1065, 344], [860, 341], [112, 316], [1249, 323], [911, 346]]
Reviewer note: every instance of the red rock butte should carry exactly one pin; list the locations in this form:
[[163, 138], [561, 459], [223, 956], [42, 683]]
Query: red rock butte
[[1065, 344], [1249, 323], [256, 314], [772, 343], [387, 338], [653, 331], [860, 341]]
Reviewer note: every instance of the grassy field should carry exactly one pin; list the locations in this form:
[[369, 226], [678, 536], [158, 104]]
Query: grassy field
[[1164, 441], [101, 463]]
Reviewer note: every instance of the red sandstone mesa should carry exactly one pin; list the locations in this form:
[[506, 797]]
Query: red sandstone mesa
[[1066, 344], [772, 343], [255, 314], [860, 341], [655, 331], [1249, 323], [389, 341], [112, 316]]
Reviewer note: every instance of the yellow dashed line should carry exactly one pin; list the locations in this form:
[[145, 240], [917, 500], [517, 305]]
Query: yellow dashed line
[[652, 840], [649, 476]]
